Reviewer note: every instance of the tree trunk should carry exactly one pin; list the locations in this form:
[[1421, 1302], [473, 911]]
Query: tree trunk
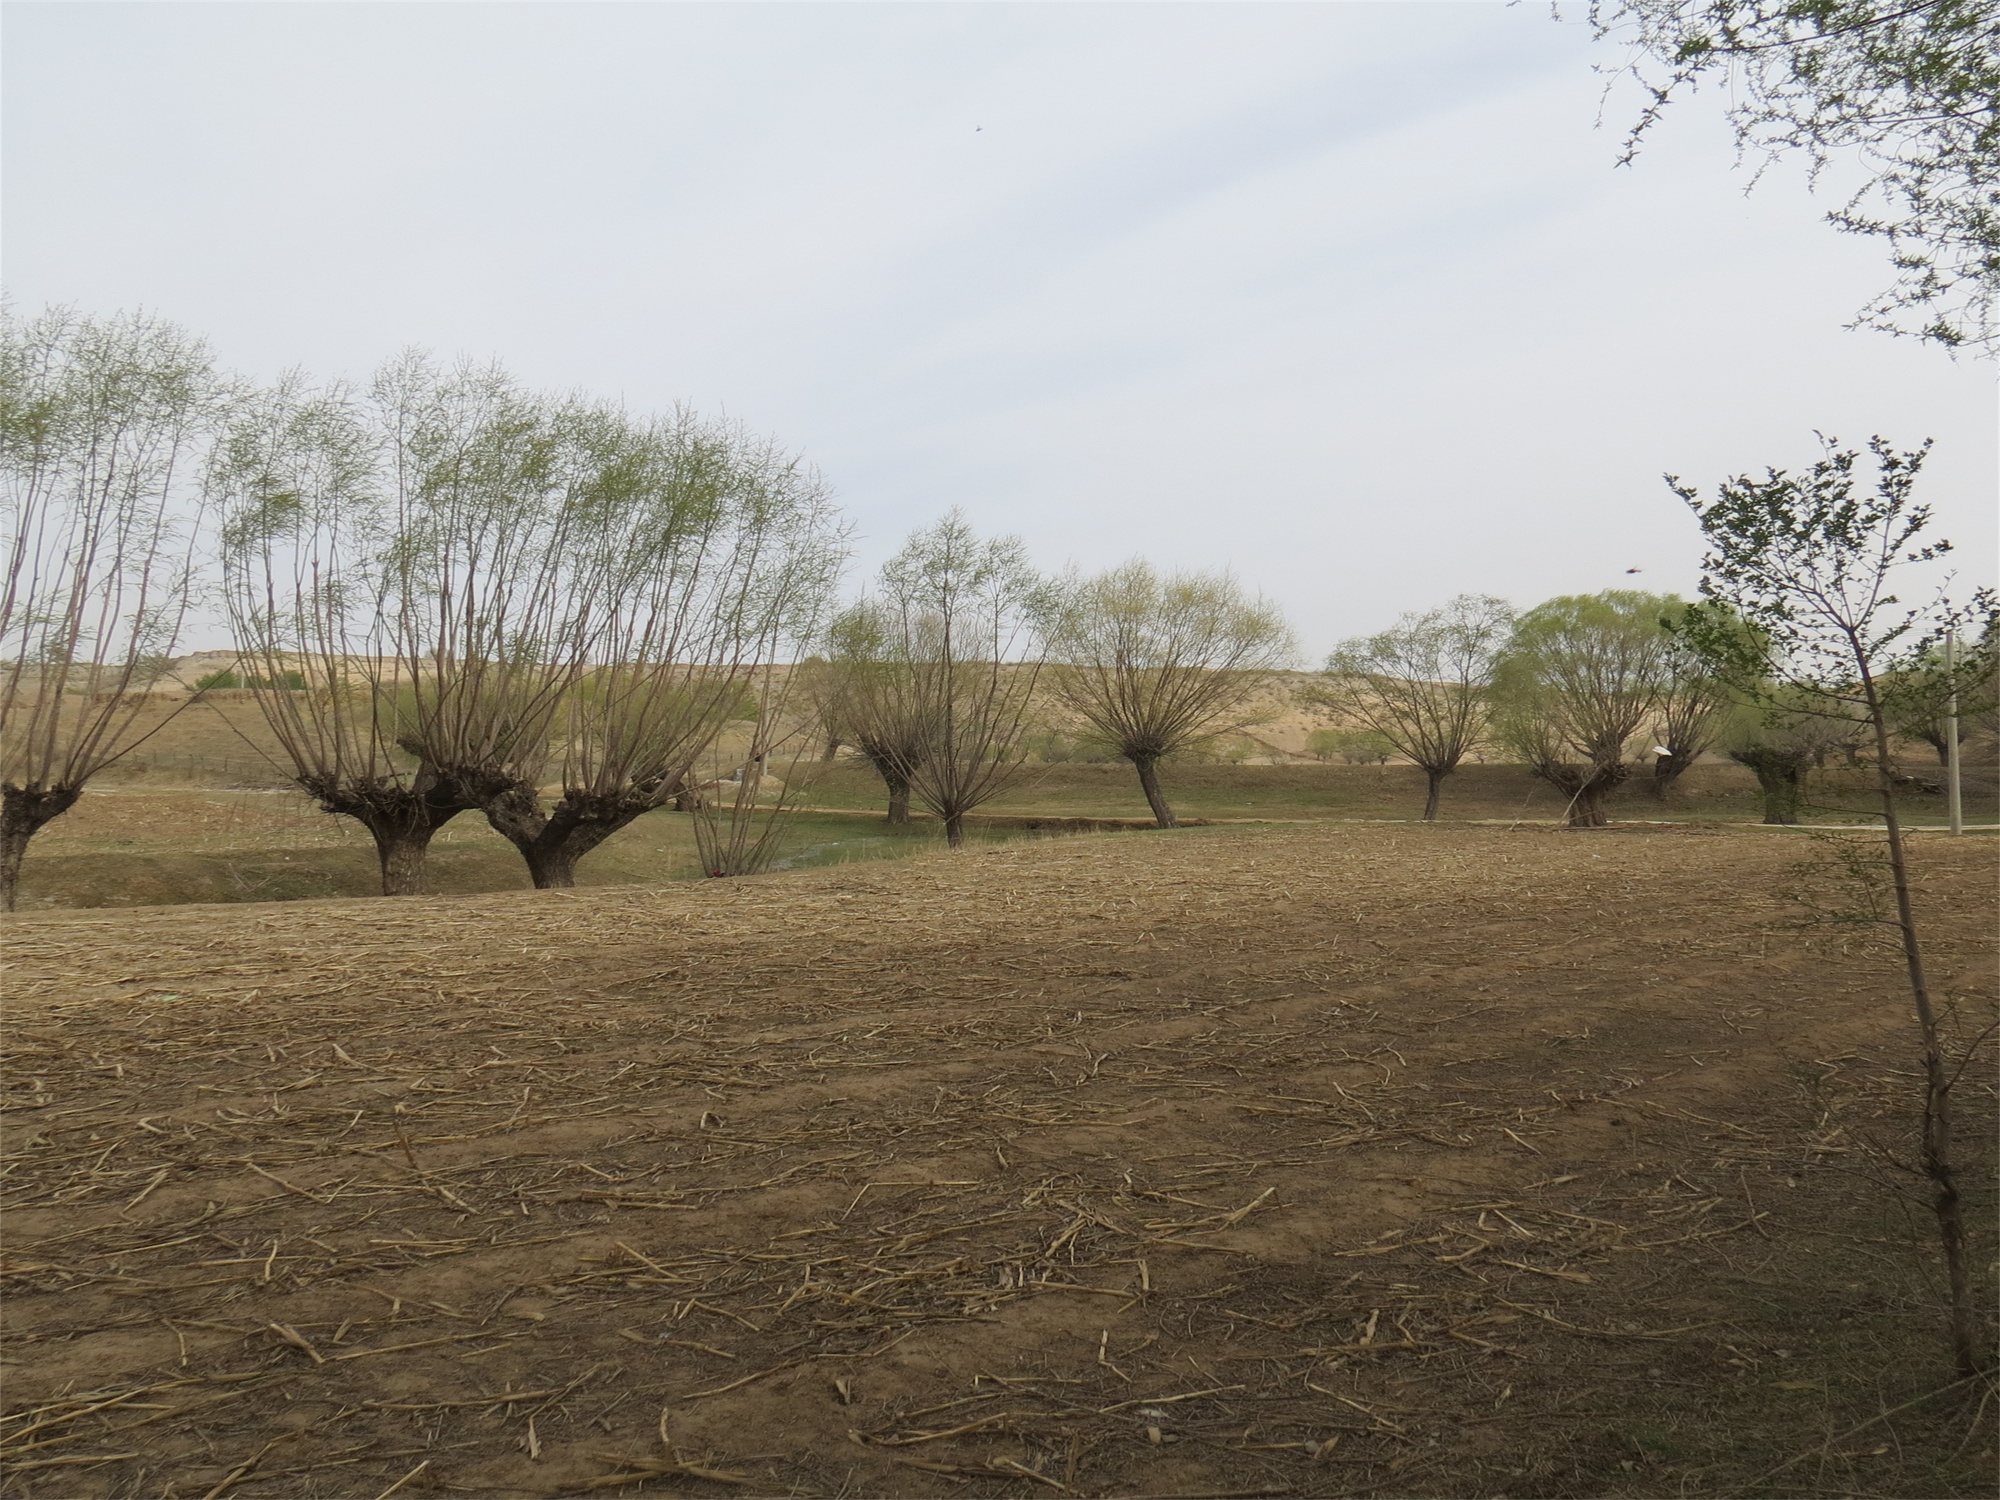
[[899, 796], [401, 819], [1934, 1151], [1782, 796], [1149, 781], [1585, 787], [551, 843], [1586, 808], [552, 869], [1433, 786], [954, 830], [400, 849], [1667, 771], [23, 811], [1781, 777]]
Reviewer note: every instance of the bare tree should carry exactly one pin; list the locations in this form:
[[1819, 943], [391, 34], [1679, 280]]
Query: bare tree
[[1424, 685], [412, 558], [740, 826], [1153, 663], [963, 656], [1580, 676], [718, 552], [1809, 564], [102, 422]]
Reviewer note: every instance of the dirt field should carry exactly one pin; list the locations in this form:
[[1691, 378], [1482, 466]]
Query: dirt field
[[1318, 1161]]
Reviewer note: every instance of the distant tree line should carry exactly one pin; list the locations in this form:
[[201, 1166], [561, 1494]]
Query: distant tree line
[[1584, 690]]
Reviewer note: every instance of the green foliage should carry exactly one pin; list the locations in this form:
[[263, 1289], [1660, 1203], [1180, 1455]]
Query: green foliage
[[1920, 697], [100, 422], [1052, 747], [284, 682], [1797, 579], [1358, 747], [1153, 662], [1582, 674], [1229, 749], [1425, 685]]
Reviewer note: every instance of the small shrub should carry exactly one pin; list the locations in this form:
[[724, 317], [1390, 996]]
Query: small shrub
[[1363, 747]]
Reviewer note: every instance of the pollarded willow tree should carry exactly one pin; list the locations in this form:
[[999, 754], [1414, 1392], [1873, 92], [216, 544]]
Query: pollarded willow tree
[[102, 423], [864, 694], [1154, 663], [1783, 737], [415, 559], [1581, 675], [1802, 615], [1424, 686], [1694, 704], [716, 553], [959, 660]]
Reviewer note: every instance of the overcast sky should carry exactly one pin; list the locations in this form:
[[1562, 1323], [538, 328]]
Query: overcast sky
[[1350, 298]]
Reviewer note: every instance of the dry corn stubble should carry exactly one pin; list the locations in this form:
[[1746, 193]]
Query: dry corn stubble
[[1451, 1161]]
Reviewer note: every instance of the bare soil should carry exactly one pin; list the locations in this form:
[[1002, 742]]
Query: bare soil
[[1312, 1161]]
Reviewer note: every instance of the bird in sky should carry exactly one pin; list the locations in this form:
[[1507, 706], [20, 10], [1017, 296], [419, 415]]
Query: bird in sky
[[1635, 570]]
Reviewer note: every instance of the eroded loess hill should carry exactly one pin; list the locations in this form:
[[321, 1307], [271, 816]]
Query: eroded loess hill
[[1355, 1160]]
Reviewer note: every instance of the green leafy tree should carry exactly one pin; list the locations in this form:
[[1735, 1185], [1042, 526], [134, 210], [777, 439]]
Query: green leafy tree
[[1153, 664], [1908, 91], [1694, 702], [1809, 563], [716, 553], [1581, 675], [1921, 697], [1783, 737]]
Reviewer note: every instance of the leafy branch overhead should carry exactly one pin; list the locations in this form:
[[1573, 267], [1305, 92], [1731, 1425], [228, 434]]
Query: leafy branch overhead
[[1908, 93], [1806, 561]]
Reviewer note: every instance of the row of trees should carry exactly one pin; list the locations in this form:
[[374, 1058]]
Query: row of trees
[[451, 594], [1583, 688], [448, 593], [937, 675]]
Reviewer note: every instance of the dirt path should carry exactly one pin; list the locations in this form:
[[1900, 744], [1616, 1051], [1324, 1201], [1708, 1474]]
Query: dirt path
[[1453, 1161]]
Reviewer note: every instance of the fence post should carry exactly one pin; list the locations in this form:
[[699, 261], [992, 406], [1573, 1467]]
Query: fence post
[[1954, 799]]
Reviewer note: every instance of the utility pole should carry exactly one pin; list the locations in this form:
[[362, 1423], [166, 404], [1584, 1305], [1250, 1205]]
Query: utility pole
[[1953, 800]]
